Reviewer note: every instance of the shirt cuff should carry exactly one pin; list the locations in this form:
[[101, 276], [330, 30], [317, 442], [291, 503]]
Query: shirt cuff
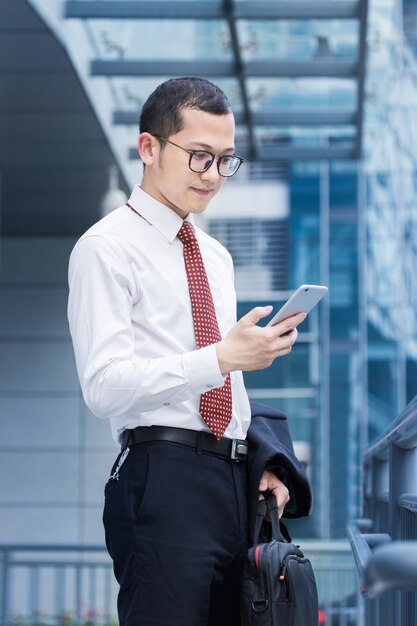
[[202, 369]]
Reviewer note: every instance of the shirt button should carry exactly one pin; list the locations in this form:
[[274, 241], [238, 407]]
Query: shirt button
[[209, 386]]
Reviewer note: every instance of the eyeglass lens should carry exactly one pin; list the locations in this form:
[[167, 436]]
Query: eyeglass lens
[[200, 162]]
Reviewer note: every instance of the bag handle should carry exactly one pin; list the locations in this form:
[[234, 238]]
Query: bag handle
[[270, 505]]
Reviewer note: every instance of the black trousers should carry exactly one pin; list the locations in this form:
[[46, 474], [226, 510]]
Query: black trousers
[[176, 529]]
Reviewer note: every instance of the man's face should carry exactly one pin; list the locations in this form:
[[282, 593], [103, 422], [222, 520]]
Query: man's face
[[169, 179]]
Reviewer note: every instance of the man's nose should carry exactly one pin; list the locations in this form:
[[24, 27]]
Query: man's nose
[[212, 173]]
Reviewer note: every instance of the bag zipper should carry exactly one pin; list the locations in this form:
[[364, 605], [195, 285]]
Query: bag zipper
[[284, 564]]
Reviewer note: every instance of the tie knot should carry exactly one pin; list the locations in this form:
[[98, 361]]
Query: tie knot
[[186, 233]]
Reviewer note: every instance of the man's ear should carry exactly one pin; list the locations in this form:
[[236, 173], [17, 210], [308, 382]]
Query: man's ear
[[147, 148]]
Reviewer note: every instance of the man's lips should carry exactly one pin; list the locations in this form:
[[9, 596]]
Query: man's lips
[[202, 192]]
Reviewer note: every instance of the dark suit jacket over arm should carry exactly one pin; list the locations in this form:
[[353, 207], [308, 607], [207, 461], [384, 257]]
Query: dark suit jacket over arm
[[270, 447]]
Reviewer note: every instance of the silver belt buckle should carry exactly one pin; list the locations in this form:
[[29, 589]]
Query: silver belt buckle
[[239, 450]]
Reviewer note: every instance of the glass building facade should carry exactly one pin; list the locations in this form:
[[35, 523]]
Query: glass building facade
[[351, 225], [390, 158], [321, 385]]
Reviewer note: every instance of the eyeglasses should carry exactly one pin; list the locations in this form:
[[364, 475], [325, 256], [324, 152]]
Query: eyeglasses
[[201, 160]]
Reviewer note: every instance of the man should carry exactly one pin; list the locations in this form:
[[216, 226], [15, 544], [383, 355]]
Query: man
[[176, 511]]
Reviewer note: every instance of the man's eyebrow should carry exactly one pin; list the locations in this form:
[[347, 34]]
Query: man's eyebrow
[[210, 149]]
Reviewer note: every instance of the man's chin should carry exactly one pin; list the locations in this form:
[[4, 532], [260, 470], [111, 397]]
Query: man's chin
[[198, 209], [201, 205]]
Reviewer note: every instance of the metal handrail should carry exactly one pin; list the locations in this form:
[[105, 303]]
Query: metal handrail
[[88, 568], [384, 542], [81, 587], [402, 432], [52, 547], [362, 545], [392, 567]]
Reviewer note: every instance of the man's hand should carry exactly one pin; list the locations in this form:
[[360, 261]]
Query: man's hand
[[250, 347], [270, 482]]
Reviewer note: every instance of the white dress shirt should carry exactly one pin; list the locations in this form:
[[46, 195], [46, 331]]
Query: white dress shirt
[[131, 323]]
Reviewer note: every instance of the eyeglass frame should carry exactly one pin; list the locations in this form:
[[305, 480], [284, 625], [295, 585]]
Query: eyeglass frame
[[212, 154]]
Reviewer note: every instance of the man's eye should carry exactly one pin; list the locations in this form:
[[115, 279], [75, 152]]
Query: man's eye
[[201, 156]]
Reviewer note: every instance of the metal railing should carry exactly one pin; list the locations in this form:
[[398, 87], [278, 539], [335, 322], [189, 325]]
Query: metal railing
[[335, 572], [57, 584], [62, 585], [384, 541]]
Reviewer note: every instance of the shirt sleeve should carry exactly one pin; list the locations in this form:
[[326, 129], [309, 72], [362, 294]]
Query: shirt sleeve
[[113, 380]]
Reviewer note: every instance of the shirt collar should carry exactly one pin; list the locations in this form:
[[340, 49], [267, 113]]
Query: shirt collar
[[159, 215]]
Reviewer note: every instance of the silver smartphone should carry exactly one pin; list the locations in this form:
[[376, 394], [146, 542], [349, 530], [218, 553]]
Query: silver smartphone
[[303, 299]]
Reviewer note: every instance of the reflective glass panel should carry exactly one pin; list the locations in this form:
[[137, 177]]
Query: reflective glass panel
[[303, 134], [298, 39], [152, 39], [302, 93], [131, 93]]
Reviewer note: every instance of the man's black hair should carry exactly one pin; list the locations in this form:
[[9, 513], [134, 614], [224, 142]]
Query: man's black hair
[[162, 111]]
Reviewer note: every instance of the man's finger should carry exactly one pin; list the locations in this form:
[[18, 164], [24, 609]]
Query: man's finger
[[286, 326], [256, 314]]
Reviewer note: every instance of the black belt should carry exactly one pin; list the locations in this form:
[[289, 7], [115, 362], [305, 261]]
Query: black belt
[[235, 449]]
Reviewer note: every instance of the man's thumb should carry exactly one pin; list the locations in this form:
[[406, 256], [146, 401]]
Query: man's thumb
[[257, 313]]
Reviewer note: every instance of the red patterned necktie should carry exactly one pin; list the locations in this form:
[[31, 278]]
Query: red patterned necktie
[[216, 404]]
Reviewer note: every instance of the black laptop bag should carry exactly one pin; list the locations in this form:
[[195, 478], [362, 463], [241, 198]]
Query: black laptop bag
[[278, 587]]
